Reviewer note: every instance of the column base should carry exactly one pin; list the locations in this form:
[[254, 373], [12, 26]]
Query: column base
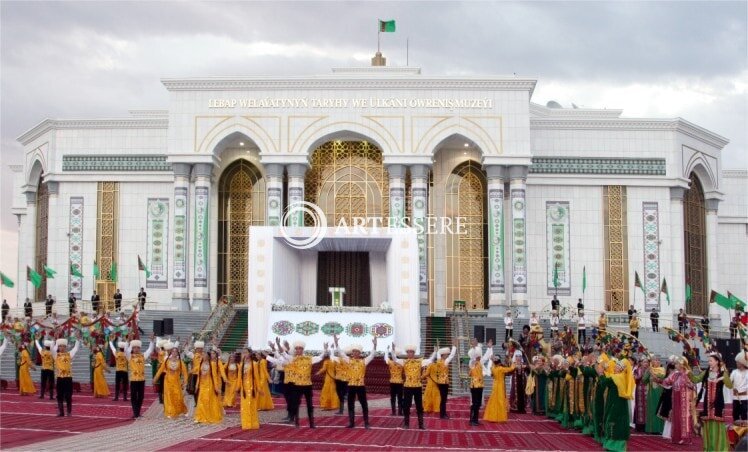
[[180, 302], [201, 304], [496, 310], [424, 310]]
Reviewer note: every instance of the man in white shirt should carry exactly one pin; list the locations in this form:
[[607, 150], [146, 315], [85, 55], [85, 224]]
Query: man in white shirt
[[508, 325], [554, 323], [534, 320], [581, 330], [739, 379]]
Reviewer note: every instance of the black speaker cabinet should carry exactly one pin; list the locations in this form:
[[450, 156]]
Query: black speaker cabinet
[[728, 348], [168, 327], [491, 335], [158, 328], [479, 333]]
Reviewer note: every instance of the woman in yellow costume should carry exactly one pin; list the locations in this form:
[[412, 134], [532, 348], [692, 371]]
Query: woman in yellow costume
[[431, 397], [264, 400], [231, 370], [328, 398], [497, 409], [25, 385], [100, 387], [249, 370], [175, 379], [208, 409]]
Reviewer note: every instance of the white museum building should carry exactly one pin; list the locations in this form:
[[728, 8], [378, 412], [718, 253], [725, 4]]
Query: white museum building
[[542, 195]]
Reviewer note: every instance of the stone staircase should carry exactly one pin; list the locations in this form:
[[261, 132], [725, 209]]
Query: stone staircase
[[235, 336]]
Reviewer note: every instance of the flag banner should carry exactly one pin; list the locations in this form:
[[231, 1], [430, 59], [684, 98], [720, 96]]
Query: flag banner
[[737, 303], [555, 276], [113, 272], [386, 26], [689, 293], [720, 299], [49, 273], [75, 271], [584, 278], [5, 281], [34, 277], [143, 268], [664, 290], [638, 282], [96, 270]]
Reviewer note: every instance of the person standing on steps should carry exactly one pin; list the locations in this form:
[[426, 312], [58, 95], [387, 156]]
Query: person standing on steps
[[28, 309], [118, 301], [508, 325], [412, 387], [5, 309], [141, 298], [654, 317], [64, 371], [71, 304], [95, 303]]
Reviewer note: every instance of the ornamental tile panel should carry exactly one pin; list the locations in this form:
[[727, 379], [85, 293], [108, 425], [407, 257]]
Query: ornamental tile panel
[[557, 246], [75, 245], [102, 163], [603, 166], [651, 237], [156, 243]]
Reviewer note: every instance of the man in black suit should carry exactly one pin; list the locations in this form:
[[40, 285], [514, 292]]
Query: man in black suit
[[5, 309], [28, 309], [48, 305], [654, 317], [95, 302], [141, 298], [71, 304], [118, 301], [631, 313], [580, 307], [555, 304]]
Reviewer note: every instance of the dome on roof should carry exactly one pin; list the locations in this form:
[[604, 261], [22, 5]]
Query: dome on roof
[[553, 104]]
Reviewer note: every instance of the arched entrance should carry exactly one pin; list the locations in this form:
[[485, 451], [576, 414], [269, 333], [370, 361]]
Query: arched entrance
[[42, 231], [694, 232], [466, 253], [241, 204]]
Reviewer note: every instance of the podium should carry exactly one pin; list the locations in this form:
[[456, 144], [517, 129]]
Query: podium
[[337, 295]]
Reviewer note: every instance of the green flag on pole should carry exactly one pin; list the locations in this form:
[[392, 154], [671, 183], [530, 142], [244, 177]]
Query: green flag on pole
[[96, 270], [49, 273], [5, 281], [665, 290], [113, 272], [721, 300], [143, 268], [386, 26], [689, 293], [584, 278], [555, 276], [34, 277], [737, 303], [74, 271], [638, 282]]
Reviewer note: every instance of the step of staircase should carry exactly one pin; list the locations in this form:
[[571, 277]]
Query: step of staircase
[[235, 337]]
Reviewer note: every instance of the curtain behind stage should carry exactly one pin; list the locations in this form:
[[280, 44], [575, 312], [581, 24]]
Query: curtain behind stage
[[347, 269]]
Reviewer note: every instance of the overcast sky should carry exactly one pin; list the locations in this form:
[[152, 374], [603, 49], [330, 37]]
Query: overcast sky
[[99, 59]]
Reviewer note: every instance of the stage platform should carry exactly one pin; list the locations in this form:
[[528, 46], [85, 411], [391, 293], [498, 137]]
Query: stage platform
[[28, 423]]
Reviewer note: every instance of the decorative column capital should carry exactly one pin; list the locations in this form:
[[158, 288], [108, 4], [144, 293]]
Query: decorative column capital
[[518, 172], [53, 187], [203, 170], [496, 171], [274, 170], [396, 171], [297, 170], [712, 205], [419, 171], [30, 196], [181, 169], [677, 193]]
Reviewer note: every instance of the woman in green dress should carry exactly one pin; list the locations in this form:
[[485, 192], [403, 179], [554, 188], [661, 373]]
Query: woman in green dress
[[598, 402], [620, 388], [655, 373], [713, 430]]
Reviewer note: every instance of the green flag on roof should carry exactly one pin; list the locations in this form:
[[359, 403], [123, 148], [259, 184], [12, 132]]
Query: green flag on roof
[[386, 26]]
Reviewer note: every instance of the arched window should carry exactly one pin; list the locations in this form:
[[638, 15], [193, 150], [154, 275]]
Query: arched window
[[694, 232], [42, 231]]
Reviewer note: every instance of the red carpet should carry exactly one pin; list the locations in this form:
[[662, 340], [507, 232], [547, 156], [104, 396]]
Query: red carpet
[[522, 432], [27, 420]]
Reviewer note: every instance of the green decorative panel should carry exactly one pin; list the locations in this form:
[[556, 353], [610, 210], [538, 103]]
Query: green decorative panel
[[101, 163], [606, 166]]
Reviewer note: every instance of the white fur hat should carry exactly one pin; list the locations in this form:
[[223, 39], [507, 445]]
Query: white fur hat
[[410, 347], [740, 358], [136, 343], [168, 345], [348, 350], [161, 343], [357, 347], [443, 351], [199, 344], [62, 342], [48, 343], [121, 344], [297, 344]]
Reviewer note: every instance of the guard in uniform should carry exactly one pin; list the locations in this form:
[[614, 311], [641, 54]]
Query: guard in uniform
[[64, 370], [118, 301], [120, 377]]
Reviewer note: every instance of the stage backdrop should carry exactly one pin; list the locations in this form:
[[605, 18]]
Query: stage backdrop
[[316, 328]]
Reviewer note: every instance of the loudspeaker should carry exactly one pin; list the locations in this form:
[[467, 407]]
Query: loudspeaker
[[491, 335], [168, 327], [728, 348], [158, 328], [479, 333]]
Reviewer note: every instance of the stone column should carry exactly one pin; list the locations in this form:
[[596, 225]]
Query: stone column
[[296, 172], [397, 195], [677, 277], [419, 193], [181, 237], [517, 196], [274, 185], [57, 251], [495, 217], [26, 248], [201, 216], [712, 261]]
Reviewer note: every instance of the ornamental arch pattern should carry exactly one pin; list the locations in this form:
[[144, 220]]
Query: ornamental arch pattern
[[694, 232]]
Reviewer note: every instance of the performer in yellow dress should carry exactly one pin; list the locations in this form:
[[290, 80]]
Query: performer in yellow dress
[[249, 371], [100, 387], [264, 400], [496, 408], [175, 379], [431, 399], [25, 384], [208, 409], [328, 398], [231, 370]]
